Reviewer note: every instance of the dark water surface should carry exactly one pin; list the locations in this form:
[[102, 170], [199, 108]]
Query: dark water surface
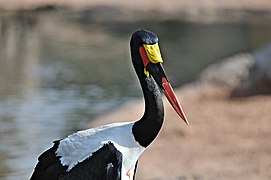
[[59, 71]]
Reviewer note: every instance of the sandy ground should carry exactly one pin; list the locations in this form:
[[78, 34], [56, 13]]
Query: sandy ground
[[226, 138]]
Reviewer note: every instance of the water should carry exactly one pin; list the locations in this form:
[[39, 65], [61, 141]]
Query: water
[[59, 71]]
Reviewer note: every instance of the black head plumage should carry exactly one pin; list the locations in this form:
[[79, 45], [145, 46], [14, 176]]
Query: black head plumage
[[142, 36]]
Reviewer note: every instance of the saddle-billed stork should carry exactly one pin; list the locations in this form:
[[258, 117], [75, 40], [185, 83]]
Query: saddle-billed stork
[[111, 152]]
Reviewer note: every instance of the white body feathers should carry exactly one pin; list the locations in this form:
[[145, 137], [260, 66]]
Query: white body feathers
[[81, 145]]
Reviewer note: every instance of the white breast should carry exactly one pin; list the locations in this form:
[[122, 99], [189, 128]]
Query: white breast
[[81, 145]]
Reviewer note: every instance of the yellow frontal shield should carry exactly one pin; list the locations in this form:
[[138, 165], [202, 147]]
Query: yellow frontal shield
[[153, 53]]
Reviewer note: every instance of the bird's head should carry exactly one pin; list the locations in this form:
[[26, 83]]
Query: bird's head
[[146, 55]]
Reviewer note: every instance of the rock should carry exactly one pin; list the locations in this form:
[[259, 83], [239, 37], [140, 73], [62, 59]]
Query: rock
[[259, 79], [230, 72], [244, 74]]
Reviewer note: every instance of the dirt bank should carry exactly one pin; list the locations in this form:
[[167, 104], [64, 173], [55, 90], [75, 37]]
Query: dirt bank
[[141, 4], [226, 138], [174, 9]]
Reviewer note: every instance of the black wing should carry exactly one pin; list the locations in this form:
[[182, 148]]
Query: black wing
[[105, 164], [49, 166]]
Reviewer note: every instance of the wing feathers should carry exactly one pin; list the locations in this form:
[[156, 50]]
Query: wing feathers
[[105, 164], [49, 166]]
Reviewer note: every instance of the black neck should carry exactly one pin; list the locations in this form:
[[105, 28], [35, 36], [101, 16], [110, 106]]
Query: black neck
[[147, 128]]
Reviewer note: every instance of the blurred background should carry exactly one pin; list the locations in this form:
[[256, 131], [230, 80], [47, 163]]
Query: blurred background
[[64, 63]]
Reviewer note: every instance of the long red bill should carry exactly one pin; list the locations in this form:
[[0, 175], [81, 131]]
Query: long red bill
[[170, 95]]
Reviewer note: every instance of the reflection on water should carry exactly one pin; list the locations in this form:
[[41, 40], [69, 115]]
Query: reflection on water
[[59, 71]]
